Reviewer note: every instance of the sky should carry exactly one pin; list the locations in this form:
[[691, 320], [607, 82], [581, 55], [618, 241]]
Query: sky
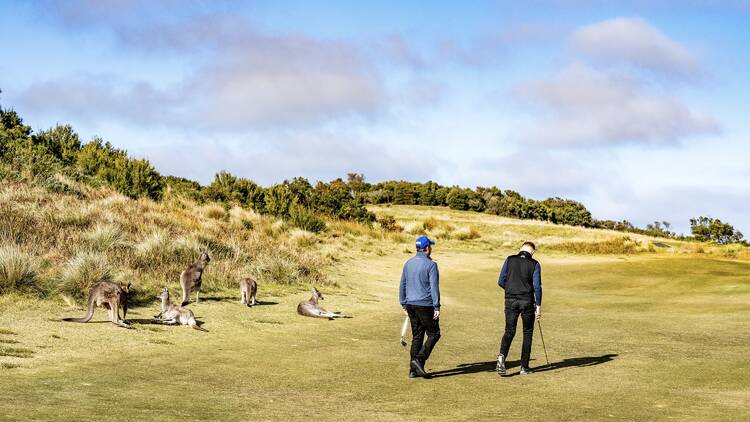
[[637, 109]]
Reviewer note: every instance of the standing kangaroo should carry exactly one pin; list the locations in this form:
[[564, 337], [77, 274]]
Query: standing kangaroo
[[173, 314], [192, 276], [112, 296], [312, 309], [248, 290]]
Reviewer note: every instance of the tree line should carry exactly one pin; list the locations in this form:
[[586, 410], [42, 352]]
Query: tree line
[[58, 150]]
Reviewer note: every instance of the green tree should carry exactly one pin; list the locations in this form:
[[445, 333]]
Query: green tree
[[707, 229], [60, 141]]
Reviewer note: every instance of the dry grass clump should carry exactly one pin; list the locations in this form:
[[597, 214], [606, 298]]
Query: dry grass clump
[[104, 237], [302, 238], [83, 271], [18, 271], [97, 235], [414, 228], [616, 246], [467, 233], [430, 223], [339, 228], [214, 211]]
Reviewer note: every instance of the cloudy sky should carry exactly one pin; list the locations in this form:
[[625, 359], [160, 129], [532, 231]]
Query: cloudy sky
[[637, 109]]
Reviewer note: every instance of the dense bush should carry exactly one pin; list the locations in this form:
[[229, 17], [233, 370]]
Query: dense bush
[[132, 177], [707, 229]]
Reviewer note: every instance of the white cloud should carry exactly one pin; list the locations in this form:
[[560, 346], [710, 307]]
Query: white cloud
[[584, 106], [633, 40], [249, 80], [317, 155]]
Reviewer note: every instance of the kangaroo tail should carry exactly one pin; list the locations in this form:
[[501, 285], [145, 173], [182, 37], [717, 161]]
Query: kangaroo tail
[[89, 313], [199, 328], [342, 316]]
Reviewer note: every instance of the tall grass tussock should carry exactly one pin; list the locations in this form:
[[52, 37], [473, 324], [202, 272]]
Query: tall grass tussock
[[18, 271], [617, 246], [63, 243]]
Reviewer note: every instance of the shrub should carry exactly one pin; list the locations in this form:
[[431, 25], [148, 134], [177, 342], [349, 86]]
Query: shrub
[[18, 271], [305, 219], [388, 223]]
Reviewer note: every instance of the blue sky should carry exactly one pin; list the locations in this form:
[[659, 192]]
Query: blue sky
[[637, 109]]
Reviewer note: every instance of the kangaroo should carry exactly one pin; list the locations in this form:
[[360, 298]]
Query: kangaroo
[[192, 276], [248, 290], [173, 314], [312, 309], [112, 296]]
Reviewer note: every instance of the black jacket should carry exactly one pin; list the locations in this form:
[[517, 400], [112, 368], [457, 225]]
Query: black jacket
[[521, 277]]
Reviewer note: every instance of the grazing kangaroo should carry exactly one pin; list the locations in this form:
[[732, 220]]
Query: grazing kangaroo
[[192, 276], [312, 309], [112, 296], [173, 314], [248, 290]]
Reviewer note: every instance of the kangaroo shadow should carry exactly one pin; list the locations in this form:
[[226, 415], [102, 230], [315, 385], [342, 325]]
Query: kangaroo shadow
[[214, 299], [489, 366], [143, 321], [152, 321]]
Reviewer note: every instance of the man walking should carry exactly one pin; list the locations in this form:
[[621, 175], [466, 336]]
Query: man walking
[[419, 294], [521, 277]]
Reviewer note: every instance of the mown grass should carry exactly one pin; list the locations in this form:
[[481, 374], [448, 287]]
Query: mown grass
[[642, 338]]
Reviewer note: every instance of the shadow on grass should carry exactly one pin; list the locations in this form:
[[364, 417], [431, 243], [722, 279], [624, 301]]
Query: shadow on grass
[[581, 362], [472, 368], [489, 366]]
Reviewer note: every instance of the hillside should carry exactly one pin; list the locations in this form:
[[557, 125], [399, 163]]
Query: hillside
[[631, 325]]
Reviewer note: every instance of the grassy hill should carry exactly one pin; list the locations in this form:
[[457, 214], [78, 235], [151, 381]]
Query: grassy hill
[[637, 328]]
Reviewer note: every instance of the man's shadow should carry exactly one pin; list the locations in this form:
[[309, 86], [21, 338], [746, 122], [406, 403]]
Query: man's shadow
[[489, 366]]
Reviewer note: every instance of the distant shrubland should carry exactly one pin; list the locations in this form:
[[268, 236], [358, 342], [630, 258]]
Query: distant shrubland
[[56, 157]]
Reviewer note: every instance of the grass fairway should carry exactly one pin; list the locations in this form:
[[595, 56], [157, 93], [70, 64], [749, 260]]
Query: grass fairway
[[639, 337]]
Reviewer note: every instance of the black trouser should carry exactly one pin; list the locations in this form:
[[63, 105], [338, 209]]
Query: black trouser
[[421, 318], [514, 308]]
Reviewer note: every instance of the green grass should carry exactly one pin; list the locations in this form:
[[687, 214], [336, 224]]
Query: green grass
[[657, 335], [630, 338]]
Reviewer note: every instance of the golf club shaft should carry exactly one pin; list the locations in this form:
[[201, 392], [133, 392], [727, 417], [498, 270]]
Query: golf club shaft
[[543, 345]]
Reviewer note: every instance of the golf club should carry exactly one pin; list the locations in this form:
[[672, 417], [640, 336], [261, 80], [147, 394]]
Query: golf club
[[543, 345], [403, 331]]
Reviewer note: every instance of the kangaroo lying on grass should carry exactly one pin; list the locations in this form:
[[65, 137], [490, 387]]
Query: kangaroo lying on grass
[[173, 314], [248, 290], [312, 309], [192, 276], [112, 296]]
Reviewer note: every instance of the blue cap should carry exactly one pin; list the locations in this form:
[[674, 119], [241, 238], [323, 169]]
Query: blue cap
[[423, 242]]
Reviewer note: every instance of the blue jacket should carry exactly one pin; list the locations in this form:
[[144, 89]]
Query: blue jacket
[[420, 282]]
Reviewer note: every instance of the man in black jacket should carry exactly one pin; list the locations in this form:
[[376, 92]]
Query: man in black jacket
[[521, 277]]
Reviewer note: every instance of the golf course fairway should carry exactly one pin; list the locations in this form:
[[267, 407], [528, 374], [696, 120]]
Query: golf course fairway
[[647, 336]]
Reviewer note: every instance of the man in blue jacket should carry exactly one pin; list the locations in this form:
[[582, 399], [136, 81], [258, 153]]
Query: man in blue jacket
[[521, 278], [419, 294]]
